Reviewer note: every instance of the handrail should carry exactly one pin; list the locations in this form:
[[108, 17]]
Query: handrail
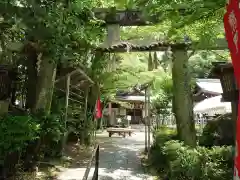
[[95, 156]]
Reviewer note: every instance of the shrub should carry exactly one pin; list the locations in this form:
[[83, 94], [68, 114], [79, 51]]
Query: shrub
[[164, 134], [218, 132], [26, 139], [197, 164], [160, 136], [179, 162], [15, 133], [48, 144]]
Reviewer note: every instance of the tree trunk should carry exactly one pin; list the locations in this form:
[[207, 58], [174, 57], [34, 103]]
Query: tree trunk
[[45, 85], [182, 103], [150, 63], [155, 60], [31, 77], [44, 92]]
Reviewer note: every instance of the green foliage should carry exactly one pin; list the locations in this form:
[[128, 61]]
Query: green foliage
[[52, 125], [198, 164], [200, 65], [218, 132], [62, 31], [176, 161], [162, 94], [16, 132], [131, 70], [164, 134]]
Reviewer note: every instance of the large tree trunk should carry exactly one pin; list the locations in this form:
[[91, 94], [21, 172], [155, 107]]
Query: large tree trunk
[[31, 77], [44, 92], [183, 105], [45, 85]]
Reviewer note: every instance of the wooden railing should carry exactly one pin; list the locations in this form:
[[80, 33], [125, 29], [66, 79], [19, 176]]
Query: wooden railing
[[94, 159]]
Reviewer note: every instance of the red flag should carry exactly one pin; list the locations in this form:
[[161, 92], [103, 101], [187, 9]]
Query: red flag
[[98, 109], [232, 30]]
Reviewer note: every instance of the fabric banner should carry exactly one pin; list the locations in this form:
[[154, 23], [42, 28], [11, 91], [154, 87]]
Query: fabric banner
[[232, 27], [98, 114]]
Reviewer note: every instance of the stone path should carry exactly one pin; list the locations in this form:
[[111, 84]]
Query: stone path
[[119, 159]]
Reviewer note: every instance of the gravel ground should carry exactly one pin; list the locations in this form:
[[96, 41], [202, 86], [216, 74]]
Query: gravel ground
[[119, 158]]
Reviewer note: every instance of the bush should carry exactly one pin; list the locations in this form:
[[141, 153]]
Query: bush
[[179, 162], [49, 142], [218, 132], [15, 133], [198, 164], [164, 134], [160, 136], [26, 139]]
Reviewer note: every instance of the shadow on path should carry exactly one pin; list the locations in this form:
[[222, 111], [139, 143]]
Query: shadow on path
[[119, 157]]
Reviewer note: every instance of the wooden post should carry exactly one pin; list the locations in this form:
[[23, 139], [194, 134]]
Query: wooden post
[[145, 121], [67, 97], [85, 131], [149, 120], [68, 78], [110, 113], [234, 106]]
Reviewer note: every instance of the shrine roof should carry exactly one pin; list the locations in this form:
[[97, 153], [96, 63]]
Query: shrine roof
[[79, 79], [131, 98], [211, 86]]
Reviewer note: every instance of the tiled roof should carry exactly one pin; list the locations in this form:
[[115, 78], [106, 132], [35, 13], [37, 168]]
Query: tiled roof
[[131, 98], [212, 86]]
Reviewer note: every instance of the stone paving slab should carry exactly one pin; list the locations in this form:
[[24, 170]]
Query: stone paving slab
[[74, 174], [119, 159]]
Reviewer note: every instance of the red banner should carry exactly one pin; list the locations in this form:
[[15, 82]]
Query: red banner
[[232, 27], [98, 109]]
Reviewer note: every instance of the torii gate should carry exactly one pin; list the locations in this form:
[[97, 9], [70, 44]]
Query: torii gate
[[115, 18]]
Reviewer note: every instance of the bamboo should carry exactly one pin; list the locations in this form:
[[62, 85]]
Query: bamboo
[[85, 131]]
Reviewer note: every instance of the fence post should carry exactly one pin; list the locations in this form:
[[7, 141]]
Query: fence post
[[97, 162], [95, 156]]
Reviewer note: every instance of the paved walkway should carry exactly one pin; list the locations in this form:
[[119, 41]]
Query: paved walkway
[[119, 159]]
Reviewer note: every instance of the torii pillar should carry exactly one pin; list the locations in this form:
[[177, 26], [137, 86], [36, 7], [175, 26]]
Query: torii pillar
[[232, 30], [113, 37]]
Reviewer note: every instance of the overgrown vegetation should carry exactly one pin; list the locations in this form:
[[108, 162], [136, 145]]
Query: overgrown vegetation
[[172, 159]]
